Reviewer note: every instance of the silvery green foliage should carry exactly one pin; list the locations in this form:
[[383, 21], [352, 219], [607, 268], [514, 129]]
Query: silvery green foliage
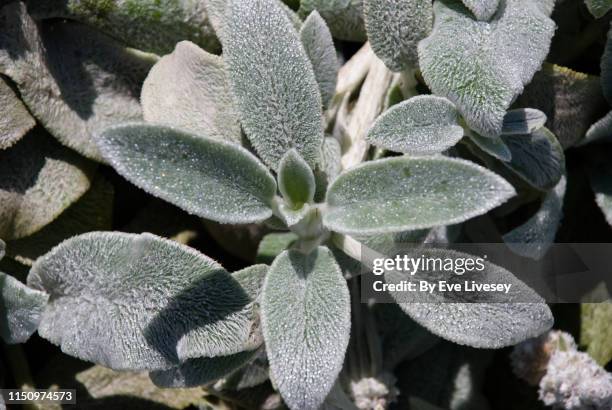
[[601, 130], [487, 320], [73, 79], [20, 307], [15, 120], [319, 47], [151, 25], [209, 178], [537, 158], [482, 9], [533, 238], [483, 66], [598, 7], [395, 28], [344, 17], [40, 179], [306, 325], [189, 89], [141, 324], [290, 116], [495, 147], [523, 121], [423, 125], [296, 182], [399, 194], [600, 176]]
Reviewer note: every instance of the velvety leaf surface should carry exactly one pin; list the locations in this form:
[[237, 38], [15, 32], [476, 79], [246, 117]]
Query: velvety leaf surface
[[601, 182], [483, 66], [523, 121], [273, 244], [482, 9], [598, 8], [40, 179], [537, 158], [595, 331], [319, 47], [478, 319], [400, 194], [141, 324], [296, 182], [151, 25], [344, 17], [533, 238], [74, 80], [15, 120], [329, 166], [189, 89], [273, 82], [209, 178], [599, 132], [203, 370], [495, 146], [423, 125], [395, 28], [21, 309], [306, 325]]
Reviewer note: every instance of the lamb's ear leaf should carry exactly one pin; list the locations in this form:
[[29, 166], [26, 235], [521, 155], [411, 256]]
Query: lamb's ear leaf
[[600, 175], [93, 319], [401, 193], [2, 249], [344, 17], [482, 9], [273, 244], [21, 309], [306, 325], [213, 179], [482, 66], [265, 57], [395, 29], [598, 8], [423, 125], [523, 121], [154, 26], [483, 320], [328, 168], [319, 46], [41, 179], [90, 81], [537, 158], [296, 182], [16, 121], [495, 146], [533, 238], [599, 132], [203, 370], [189, 89]]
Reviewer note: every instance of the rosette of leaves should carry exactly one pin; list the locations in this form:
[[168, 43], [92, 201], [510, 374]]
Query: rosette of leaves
[[243, 138]]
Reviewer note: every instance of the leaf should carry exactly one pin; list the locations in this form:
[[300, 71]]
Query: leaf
[[319, 47], [598, 8], [606, 63], [401, 194], [273, 82], [395, 28], [600, 175], [483, 66], [273, 244], [572, 101], [523, 121], [328, 168], [209, 178], [482, 9], [599, 132], [204, 370], [40, 180], [533, 238], [495, 146], [423, 125], [344, 17], [15, 120], [537, 158], [2, 249], [595, 331], [189, 89], [74, 80], [93, 319], [480, 319], [21, 309], [92, 212], [296, 181], [306, 325], [150, 25]]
